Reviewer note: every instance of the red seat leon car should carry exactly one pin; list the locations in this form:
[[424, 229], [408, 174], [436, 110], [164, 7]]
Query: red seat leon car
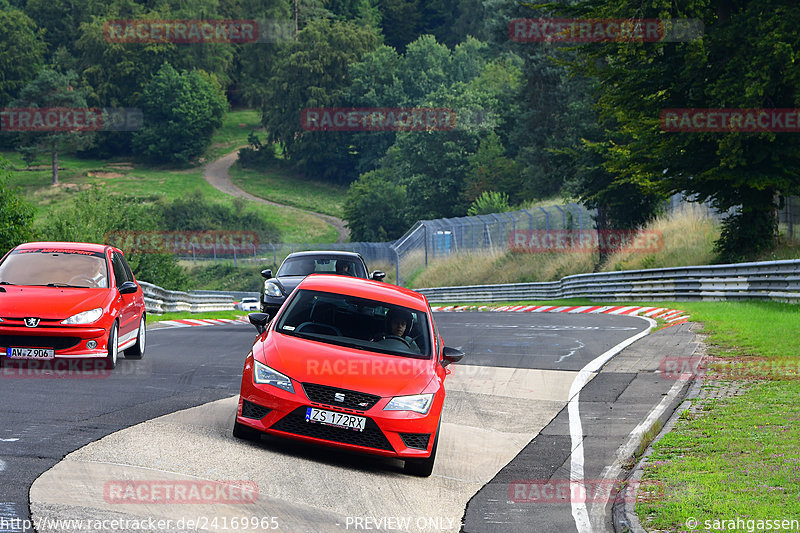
[[67, 300], [351, 363]]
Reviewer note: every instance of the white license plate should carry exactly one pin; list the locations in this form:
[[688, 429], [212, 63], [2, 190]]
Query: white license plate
[[30, 353], [331, 418]]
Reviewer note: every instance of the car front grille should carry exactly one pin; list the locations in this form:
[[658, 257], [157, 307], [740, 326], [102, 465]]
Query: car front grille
[[322, 394], [416, 440], [296, 424], [38, 341], [253, 411]]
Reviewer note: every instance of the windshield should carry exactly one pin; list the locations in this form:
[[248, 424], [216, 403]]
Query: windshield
[[55, 267], [303, 266], [357, 323]]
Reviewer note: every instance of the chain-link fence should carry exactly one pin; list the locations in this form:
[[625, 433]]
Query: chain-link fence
[[789, 218], [428, 240]]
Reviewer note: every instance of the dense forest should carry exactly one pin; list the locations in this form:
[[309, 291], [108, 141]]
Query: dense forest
[[532, 118]]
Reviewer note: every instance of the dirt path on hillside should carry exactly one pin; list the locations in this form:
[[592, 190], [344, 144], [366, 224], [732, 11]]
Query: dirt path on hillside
[[217, 175]]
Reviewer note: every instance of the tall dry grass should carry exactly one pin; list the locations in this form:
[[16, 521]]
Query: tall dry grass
[[502, 267], [688, 236]]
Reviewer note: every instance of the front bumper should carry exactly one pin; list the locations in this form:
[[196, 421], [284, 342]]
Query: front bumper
[[64, 340], [400, 434]]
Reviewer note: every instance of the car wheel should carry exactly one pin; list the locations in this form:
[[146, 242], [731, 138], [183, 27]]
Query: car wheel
[[137, 350], [423, 467], [113, 347], [240, 431]]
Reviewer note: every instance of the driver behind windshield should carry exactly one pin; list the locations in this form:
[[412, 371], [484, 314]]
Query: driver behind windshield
[[398, 324]]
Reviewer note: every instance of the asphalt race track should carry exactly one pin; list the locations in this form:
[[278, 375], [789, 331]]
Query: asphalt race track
[[168, 418]]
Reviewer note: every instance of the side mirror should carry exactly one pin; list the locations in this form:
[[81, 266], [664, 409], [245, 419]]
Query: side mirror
[[266, 274], [128, 287], [259, 320], [451, 355], [378, 275]]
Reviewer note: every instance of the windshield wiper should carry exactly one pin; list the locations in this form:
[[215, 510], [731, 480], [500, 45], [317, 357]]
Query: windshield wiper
[[6, 283], [63, 285]]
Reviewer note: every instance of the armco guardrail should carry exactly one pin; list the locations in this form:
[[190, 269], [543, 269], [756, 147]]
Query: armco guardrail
[[158, 300], [769, 280]]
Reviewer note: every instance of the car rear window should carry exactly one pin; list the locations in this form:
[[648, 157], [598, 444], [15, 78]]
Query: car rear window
[[355, 322], [305, 265], [55, 267]]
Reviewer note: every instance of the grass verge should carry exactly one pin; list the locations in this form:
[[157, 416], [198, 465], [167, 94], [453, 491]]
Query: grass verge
[[209, 314]]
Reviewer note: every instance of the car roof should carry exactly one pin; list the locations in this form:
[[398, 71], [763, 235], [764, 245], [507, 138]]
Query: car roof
[[325, 253], [365, 288], [86, 246]]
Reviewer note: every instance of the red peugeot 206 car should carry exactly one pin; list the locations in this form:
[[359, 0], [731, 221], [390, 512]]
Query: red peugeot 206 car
[[350, 363], [69, 300]]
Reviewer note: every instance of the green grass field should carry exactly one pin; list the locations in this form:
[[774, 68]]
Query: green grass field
[[273, 185], [124, 176]]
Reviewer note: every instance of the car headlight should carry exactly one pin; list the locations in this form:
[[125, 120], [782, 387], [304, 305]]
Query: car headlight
[[272, 289], [264, 375], [419, 403], [87, 317]]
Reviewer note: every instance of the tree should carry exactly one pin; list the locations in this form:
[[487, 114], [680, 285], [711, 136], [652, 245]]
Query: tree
[[745, 59], [491, 170], [21, 52], [16, 215], [53, 89], [181, 111], [312, 72], [61, 19], [375, 207]]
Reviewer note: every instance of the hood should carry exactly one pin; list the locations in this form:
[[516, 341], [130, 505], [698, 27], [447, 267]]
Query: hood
[[289, 283], [50, 302], [347, 368]]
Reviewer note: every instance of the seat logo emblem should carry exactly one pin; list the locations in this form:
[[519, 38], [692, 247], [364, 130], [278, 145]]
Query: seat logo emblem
[[339, 397], [31, 322]]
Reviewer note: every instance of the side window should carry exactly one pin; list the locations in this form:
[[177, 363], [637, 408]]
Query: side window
[[119, 271], [128, 273]]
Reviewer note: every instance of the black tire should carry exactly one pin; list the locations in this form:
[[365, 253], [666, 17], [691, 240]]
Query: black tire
[[423, 467], [240, 431], [113, 347], [137, 350]]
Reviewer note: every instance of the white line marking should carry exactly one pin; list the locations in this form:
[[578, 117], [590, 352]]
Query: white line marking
[[9, 440], [576, 475]]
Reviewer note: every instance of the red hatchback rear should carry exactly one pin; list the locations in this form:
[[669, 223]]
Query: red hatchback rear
[[62, 300], [350, 363]]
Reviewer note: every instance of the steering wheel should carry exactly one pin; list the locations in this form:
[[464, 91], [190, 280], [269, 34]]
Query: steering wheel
[[396, 337]]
